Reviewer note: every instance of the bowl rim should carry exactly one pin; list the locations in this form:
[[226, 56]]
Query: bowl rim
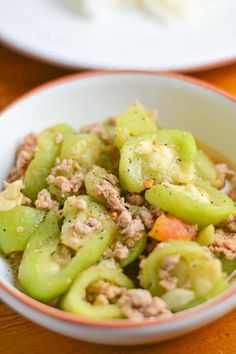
[[58, 314]]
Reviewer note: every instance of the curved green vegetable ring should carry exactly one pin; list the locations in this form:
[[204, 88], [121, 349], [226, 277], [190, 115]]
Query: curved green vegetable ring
[[205, 236], [167, 155], [75, 302], [84, 148], [22, 217], [47, 152], [99, 239], [197, 203], [135, 121], [92, 180], [206, 275], [40, 274]]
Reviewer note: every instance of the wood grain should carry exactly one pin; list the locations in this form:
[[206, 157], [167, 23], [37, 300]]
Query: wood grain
[[18, 335]]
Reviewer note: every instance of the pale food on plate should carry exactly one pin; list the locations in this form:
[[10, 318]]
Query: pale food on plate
[[167, 10]]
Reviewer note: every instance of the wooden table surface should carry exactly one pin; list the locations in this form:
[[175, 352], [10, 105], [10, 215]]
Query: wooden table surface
[[19, 336]]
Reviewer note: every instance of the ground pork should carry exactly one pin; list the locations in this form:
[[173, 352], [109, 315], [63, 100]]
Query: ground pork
[[125, 219], [131, 227], [133, 232], [147, 217], [132, 224], [135, 199], [224, 173], [167, 281], [85, 227], [81, 204], [65, 165], [137, 304], [109, 190], [101, 300], [225, 239], [118, 251], [107, 290], [231, 223], [44, 201], [70, 185], [24, 154], [156, 211], [224, 244], [112, 179], [26, 201]]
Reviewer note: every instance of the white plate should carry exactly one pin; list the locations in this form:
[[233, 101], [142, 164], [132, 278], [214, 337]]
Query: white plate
[[49, 29], [83, 99]]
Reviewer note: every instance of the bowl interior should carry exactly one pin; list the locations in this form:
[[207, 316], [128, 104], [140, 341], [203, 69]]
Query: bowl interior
[[209, 115]]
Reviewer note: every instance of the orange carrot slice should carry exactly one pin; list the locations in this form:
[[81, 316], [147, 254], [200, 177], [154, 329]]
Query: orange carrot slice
[[168, 227]]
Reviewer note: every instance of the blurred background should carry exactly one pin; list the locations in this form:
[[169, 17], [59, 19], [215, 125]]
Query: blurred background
[[44, 39]]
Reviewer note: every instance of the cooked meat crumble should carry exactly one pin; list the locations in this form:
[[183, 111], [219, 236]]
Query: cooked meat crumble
[[118, 251], [167, 281], [138, 304], [67, 185], [109, 190], [85, 227], [225, 239], [24, 155], [44, 201]]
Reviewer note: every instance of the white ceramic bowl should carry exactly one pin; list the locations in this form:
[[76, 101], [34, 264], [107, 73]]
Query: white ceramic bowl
[[80, 99]]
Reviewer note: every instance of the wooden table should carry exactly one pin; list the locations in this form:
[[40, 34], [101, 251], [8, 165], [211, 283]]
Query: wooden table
[[19, 336]]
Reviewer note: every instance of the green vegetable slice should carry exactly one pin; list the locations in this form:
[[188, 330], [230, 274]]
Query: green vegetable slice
[[47, 152], [206, 235], [92, 180], [48, 268], [84, 148], [228, 265], [75, 300], [16, 227], [133, 122], [197, 203], [135, 251], [196, 266], [110, 157], [165, 156]]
